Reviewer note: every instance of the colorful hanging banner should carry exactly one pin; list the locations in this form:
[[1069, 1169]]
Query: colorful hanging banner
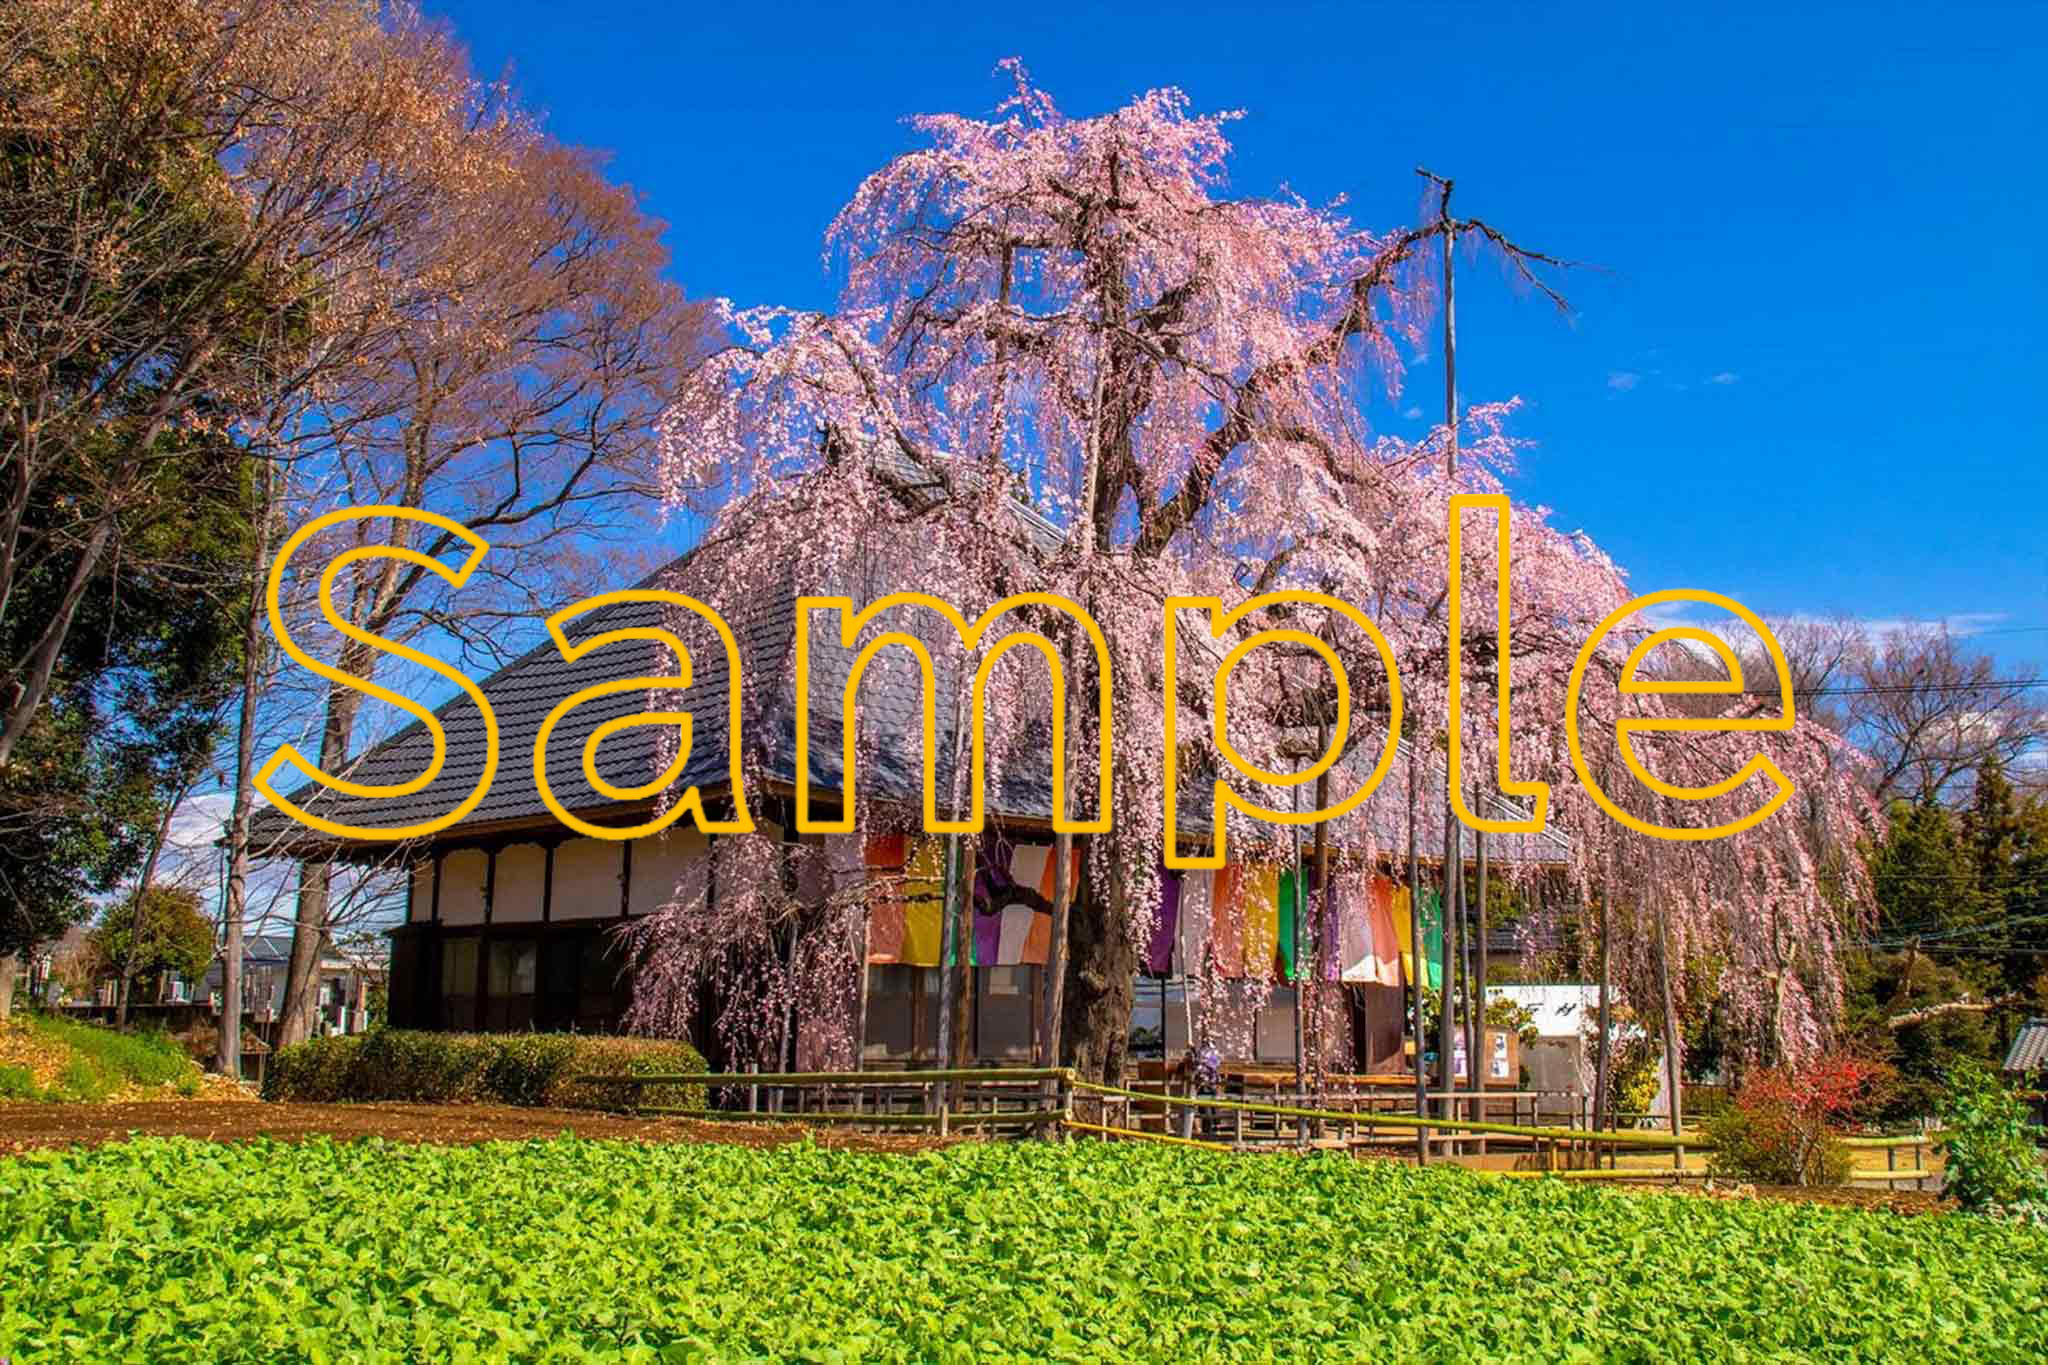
[[1226, 920], [1032, 866], [1165, 925], [1298, 902], [987, 936], [1009, 926], [1012, 923], [883, 857], [906, 910], [1245, 920], [1367, 931], [1288, 903], [1197, 919], [1261, 921], [1433, 937], [924, 902], [1354, 930], [1331, 934], [1354, 933], [1386, 965]]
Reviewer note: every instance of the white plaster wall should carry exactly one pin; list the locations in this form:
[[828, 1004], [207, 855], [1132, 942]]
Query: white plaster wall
[[667, 867], [586, 879], [422, 906], [462, 886], [522, 876]]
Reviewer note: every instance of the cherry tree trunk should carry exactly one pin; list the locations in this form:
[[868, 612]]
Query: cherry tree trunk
[[1101, 975], [1603, 1064]]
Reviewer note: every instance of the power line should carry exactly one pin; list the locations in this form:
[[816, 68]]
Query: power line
[[1895, 689], [1963, 948], [1906, 938]]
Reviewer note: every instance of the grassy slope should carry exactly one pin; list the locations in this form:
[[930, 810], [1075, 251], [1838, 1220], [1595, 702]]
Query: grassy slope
[[568, 1250], [45, 1057]]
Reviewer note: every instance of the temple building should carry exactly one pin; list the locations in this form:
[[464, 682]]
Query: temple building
[[512, 916]]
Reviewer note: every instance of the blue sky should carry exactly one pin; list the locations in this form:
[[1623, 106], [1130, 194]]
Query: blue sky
[[1805, 376]]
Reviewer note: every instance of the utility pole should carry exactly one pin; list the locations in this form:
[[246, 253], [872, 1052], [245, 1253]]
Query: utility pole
[[1320, 1045], [1454, 858], [1603, 1057], [1476, 1019], [1415, 970]]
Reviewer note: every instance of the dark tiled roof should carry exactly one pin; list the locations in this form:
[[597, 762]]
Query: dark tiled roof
[[2029, 1051], [521, 694], [263, 952], [262, 949]]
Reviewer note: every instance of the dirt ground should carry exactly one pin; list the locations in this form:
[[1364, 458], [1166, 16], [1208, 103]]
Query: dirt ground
[[27, 1126], [24, 1127], [1850, 1197]]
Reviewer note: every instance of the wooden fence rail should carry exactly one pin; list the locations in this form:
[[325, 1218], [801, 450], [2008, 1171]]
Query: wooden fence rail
[[1047, 1100], [945, 1100]]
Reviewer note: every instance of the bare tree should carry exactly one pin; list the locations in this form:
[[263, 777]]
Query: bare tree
[[520, 399], [1823, 656], [1929, 710], [1920, 701], [198, 203], [256, 670]]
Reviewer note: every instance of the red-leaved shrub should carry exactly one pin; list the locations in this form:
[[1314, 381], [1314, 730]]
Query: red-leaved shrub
[[1783, 1126]]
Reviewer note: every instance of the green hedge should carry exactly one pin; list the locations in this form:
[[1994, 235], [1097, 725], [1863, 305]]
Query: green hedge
[[531, 1069]]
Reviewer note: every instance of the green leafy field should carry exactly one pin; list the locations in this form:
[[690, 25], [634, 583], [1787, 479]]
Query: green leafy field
[[180, 1250]]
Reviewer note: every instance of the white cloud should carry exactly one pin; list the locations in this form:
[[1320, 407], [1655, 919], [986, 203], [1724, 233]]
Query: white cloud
[[1873, 628], [1411, 413], [1724, 377], [1959, 624], [1621, 381]]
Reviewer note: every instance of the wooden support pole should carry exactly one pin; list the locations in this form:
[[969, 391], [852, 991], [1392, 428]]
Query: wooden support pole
[[1415, 969], [1603, 1066], [949, 947], [1325, 914], [1481, 1075], [547, 881], [1447, 957], [1453, 859], [1294, 956], [862, 971], [1674, 1071]]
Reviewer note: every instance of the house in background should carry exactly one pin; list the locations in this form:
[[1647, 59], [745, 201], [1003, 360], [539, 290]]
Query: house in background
[[61, 968], [2026, 1065], [351, 979], [347, 981], [352, 986], [1566, 1020]]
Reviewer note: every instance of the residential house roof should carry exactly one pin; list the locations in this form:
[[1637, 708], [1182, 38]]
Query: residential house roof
[[2029, 1050]]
